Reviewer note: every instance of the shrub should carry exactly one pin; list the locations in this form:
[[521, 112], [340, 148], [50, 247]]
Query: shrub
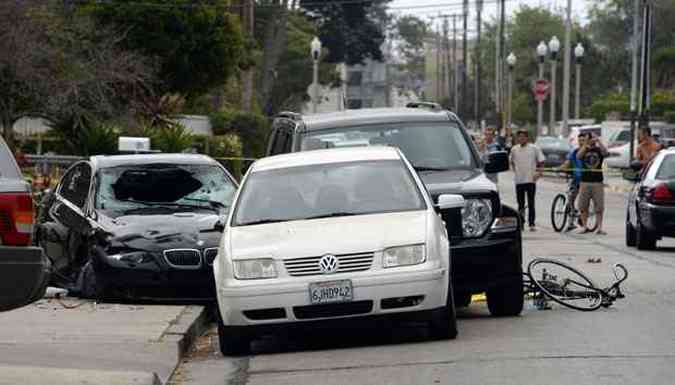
[[252, 129], [172, 139], [83, 136], [669, 116]]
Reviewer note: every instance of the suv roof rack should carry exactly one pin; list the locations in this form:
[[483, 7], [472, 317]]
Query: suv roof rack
[[429, 105], [289, 115]]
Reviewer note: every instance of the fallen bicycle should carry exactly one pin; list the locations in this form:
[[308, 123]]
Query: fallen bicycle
[[568, 286]]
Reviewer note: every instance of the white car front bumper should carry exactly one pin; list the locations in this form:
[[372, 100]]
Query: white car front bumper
[[368, 288]]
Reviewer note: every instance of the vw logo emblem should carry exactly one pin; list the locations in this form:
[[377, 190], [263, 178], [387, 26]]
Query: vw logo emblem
[[328, 264]]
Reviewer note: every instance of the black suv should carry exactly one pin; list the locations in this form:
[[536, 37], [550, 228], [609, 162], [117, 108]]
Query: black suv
[[486, 240]]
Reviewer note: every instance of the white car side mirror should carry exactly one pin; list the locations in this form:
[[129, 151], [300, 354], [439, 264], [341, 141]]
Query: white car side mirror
[[450, 201]]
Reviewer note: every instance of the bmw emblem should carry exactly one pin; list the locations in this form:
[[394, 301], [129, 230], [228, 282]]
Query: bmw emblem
[[328, 264], [200, 243]]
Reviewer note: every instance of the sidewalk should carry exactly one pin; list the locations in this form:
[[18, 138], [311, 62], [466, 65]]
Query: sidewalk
[[47, 343]]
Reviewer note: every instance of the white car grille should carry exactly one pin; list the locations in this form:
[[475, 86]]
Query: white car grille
[[298, 267]]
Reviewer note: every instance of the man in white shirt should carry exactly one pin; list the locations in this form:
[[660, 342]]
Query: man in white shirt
[[526, 159]]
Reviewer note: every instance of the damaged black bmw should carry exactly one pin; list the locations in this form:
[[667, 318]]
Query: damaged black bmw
[[136, 226]]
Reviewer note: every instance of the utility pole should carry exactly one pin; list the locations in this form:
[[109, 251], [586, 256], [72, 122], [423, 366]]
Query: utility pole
[[500, 68], [455, 82], [465, 62], [247, 17], [446, 54], [498, 88], [566, 70], [476, 103], [634, 78], [645, 78], [438, 65]]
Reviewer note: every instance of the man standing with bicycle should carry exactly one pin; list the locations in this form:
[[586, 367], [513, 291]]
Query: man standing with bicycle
[[525, 159], [575, 164], [592, 154]]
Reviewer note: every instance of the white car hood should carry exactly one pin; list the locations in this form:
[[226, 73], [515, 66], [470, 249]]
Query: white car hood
[[342, 235]]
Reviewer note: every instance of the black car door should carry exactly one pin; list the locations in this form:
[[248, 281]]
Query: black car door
[[62, 239]]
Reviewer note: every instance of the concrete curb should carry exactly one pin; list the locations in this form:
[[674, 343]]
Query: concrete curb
[[183, 331], [29, 375]]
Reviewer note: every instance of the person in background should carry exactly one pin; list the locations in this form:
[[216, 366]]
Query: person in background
[[487, 146], [648, 146], [526, 160], [592, 155], [576, 165]]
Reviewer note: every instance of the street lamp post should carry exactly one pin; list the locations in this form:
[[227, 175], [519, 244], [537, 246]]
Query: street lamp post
[[316, 55], [542, 50], [511, 62], [579, 56], [553, 47]]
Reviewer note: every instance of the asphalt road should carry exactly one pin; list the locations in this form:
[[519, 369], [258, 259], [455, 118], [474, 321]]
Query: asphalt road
[[629, 343]]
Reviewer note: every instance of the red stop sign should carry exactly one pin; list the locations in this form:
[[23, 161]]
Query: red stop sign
[[540, 89]]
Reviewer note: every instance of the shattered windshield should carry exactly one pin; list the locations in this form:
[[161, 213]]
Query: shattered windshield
[[168, 187]]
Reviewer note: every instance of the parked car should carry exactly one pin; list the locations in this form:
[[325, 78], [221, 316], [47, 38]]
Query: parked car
[[650, 214], [137, 225], [486, 241], [555, 150], [594, 129], [330, 234], [24, 270]]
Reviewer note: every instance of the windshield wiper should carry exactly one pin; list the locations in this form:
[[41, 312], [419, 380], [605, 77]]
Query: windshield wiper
[[261, 222], [214, 204], [169, 205], [425, 168], [333, 215]]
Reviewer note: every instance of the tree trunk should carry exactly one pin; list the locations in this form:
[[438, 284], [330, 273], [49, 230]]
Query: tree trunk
[[8, 131], [275, 42], [248, 18]]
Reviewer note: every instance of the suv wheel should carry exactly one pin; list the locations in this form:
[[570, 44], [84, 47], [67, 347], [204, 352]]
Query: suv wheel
[[506, 300]]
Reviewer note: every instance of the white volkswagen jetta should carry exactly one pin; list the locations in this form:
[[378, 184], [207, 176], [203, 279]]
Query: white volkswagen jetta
[[332, 234]]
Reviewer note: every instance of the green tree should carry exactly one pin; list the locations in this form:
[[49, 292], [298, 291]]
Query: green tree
[[351, 30], [411, 31], [198, 44]]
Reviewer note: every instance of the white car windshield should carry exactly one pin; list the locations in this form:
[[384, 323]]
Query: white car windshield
[[143, 189], [327, 190], [427, 145]]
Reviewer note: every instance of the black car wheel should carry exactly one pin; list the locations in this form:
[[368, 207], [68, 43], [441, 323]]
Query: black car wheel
[[630, 233], [643, 239], [443, 324], [506, 300], [91, 287]]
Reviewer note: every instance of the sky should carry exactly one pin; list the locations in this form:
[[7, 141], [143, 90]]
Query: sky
[[429, 8]]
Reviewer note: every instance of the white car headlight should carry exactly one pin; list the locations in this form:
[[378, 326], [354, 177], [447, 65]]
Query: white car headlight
[[476, 217], [255, 269], [404, 256]]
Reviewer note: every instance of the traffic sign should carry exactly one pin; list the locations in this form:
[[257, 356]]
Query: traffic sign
[[540, 89]]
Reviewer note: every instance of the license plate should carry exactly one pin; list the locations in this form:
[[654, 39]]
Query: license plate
[[330, 292]]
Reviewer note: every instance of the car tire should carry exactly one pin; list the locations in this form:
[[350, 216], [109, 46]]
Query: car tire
[[630, 233], [233, 340], [443, 324], [506, 300], [644, 240], [462, 299], [91, 287]]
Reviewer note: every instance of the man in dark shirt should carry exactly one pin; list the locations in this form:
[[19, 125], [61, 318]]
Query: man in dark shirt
[[592, 155]]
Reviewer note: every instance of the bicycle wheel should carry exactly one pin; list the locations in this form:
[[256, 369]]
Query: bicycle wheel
[[559, 212], [564, 284], [592, 221]]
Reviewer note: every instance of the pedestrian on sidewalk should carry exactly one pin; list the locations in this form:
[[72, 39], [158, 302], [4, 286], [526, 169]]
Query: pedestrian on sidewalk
[[487, 146], [648, 147], [526, 160], [592, 155], [575, 165]]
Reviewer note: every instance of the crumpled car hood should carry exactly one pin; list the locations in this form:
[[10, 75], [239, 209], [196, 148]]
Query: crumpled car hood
[[161, 232]]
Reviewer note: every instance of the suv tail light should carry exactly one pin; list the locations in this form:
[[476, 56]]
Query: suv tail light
[[660, 194], [16, 219]]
